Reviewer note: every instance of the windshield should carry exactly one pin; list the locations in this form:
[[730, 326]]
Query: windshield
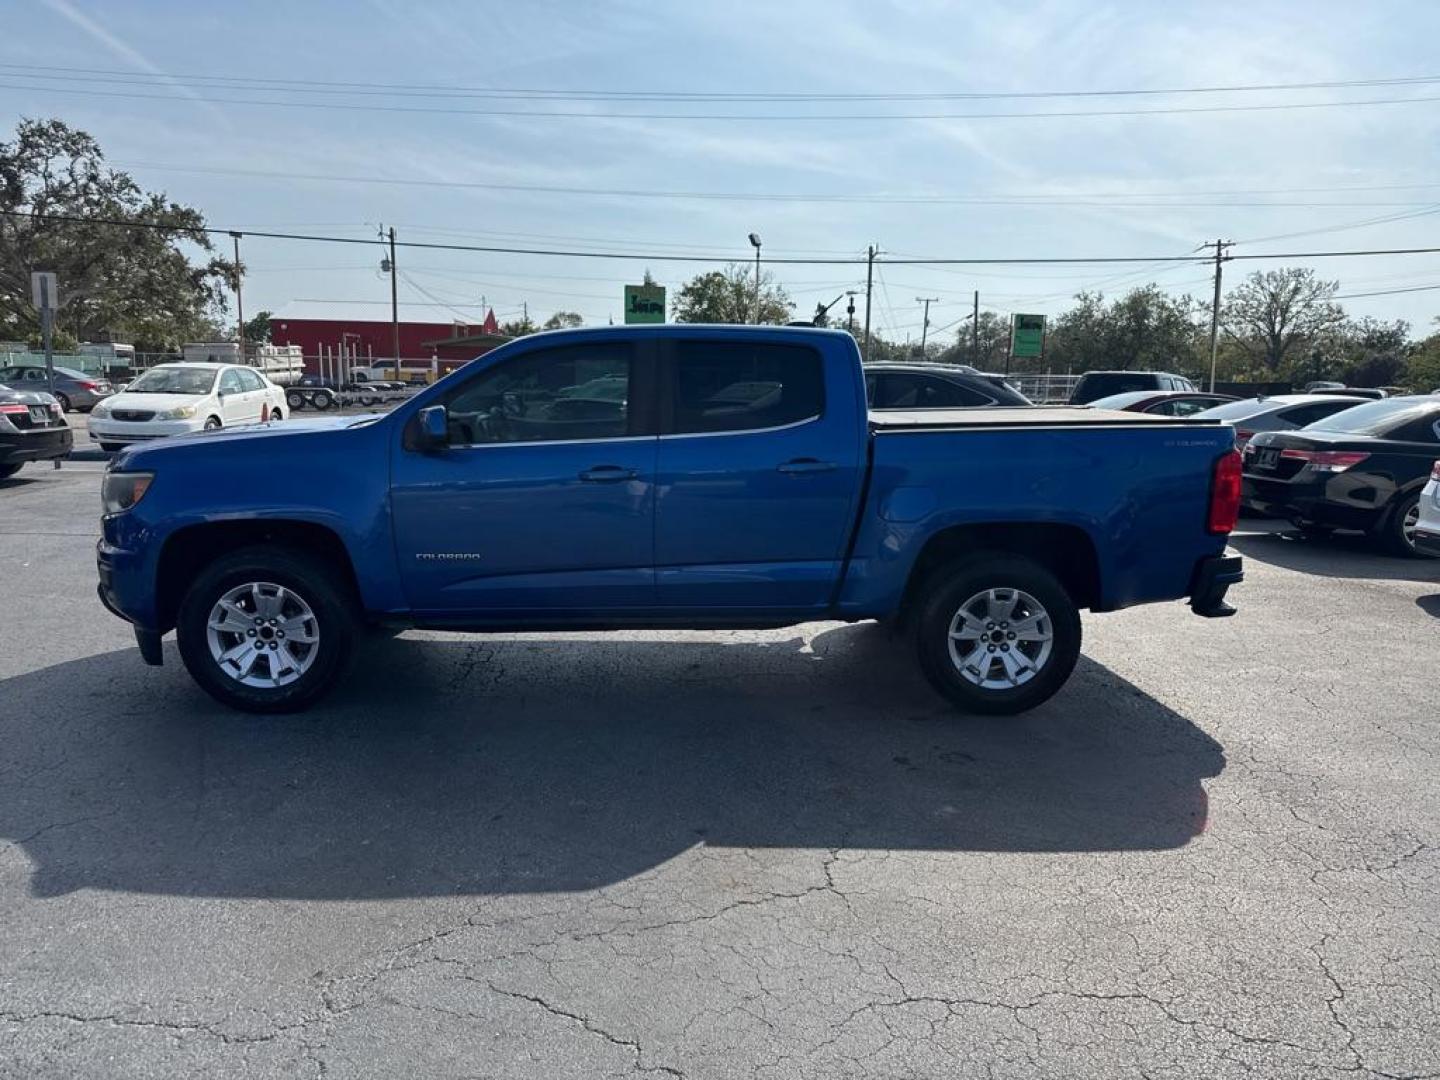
[[1375, 417], [173, 380]]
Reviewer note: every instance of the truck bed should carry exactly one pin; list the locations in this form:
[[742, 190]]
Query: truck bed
[[991, 418]]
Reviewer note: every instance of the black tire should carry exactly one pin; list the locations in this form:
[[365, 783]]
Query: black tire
[[1391, 534], [7, 471], [212, 423], [112, 447], [309, 578], [276, 414], [972, 576], [323, 400], [64, 402], [295, 400]]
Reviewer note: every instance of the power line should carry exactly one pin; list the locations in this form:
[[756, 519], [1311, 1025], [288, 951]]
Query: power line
[[1111, 199], [1071, 260], [552, 114], [1384, 292]]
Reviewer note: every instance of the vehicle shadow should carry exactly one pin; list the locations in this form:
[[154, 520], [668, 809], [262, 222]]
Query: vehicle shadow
[[1429, 604], [1343, 555], [541, 764]]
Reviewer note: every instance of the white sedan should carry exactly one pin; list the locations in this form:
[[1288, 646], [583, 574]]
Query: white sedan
[[171, 399]]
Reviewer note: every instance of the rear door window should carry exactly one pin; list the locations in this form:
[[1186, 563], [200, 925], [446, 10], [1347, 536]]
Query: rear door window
[[905, 390], [1308, 414], [739, 386]]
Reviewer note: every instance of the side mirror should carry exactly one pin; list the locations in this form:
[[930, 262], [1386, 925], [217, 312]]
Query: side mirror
[[434, 427]]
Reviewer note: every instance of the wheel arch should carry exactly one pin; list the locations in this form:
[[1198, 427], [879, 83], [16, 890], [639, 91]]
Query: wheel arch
[[1066, 550], [189, 549]]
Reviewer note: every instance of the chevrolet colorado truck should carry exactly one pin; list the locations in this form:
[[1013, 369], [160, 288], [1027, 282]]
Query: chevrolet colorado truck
[[672, 476]]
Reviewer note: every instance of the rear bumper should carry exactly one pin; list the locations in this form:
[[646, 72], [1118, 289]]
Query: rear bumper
[[32, 445], [1213, 577], [1309, 503]]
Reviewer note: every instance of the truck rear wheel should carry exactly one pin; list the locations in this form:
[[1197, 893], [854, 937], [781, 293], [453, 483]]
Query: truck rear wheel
[[266, 629], [997, 634]]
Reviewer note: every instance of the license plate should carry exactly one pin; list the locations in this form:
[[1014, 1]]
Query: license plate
[[39, 414], [1267, 458]]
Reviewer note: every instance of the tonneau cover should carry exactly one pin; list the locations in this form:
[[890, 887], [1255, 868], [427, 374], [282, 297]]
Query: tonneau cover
[[902, 420]]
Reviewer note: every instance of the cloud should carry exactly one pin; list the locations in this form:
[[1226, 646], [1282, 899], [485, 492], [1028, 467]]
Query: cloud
[[128, 53]]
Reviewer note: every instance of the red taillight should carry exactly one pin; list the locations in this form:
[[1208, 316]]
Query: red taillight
[[1224, 494], [89, 386], [14, 409], [1326, 460], [1435, 472], [1242, 437]]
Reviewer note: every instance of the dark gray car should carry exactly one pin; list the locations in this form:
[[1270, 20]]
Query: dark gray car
[[936, 386], [73, 389]]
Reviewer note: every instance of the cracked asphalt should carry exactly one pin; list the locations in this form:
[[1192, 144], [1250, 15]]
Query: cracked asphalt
[[768, 855]]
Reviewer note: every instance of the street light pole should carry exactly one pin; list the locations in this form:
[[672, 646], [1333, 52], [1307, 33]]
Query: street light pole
[[755, 243], [239, 305]]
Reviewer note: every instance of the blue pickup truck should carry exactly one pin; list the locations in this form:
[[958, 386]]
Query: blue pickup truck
[[673, 476]]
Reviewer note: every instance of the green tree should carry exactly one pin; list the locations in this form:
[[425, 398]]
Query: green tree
[[1278, 316], [1422, 366], [563, 320], [518, 327], [994, 339], [77, 218], [1078, 338], [728, 296], [1369, 352], [257, 330]]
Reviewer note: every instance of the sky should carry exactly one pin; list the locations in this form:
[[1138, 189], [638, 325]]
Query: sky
[[234, 109]]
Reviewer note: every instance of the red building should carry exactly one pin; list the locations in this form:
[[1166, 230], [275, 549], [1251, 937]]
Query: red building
[[366, 342]]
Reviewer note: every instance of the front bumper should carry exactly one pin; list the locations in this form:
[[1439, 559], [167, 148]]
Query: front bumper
[[35, 445], [1213, 577], [121, 431]]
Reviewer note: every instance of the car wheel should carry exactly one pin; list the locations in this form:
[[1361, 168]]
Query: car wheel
[[266, 629], [64, 402], [1397, 530], [323, 400], [112, 447], [212, 423], [276, 414], [295, 401], [7, 471], [997, 634]]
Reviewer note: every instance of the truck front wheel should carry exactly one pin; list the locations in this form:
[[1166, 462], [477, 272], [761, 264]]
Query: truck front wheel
[[997, 634], [266, 629]]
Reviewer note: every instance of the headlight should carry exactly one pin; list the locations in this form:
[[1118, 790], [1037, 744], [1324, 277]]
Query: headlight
[[181, 412], [101, 411], [119, 491]]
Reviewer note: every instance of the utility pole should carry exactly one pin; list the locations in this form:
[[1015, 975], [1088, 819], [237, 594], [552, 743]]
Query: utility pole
[[869, 289], [975, 333], [394, 304], [850, 312], [239, 305], [755, 243], [925, 321], [1220, 246]]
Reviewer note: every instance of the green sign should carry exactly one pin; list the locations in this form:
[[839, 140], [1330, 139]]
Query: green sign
[[644, 303], [1027, 335]]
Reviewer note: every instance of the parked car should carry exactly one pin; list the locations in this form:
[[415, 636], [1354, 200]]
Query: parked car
[[1362, 468], [73, 389], [1283, 412], [936, 386], [1427, 524], [171, 399], [1312, 387], [1099, 384], [32, 428], [1370, 393], [751, 488], [1162, 402]]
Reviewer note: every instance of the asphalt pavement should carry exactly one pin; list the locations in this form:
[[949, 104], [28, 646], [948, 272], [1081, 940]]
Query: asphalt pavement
[[761, 854]]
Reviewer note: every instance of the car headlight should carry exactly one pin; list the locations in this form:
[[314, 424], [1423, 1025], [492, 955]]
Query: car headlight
[[119, 491], [180, 412], [100, 412]]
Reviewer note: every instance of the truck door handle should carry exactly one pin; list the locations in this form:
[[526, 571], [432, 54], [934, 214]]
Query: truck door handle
[[607, 474], [805, 465]]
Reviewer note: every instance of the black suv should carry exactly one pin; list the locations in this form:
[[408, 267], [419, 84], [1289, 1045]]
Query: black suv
[[936, 386], [1094, 385]]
